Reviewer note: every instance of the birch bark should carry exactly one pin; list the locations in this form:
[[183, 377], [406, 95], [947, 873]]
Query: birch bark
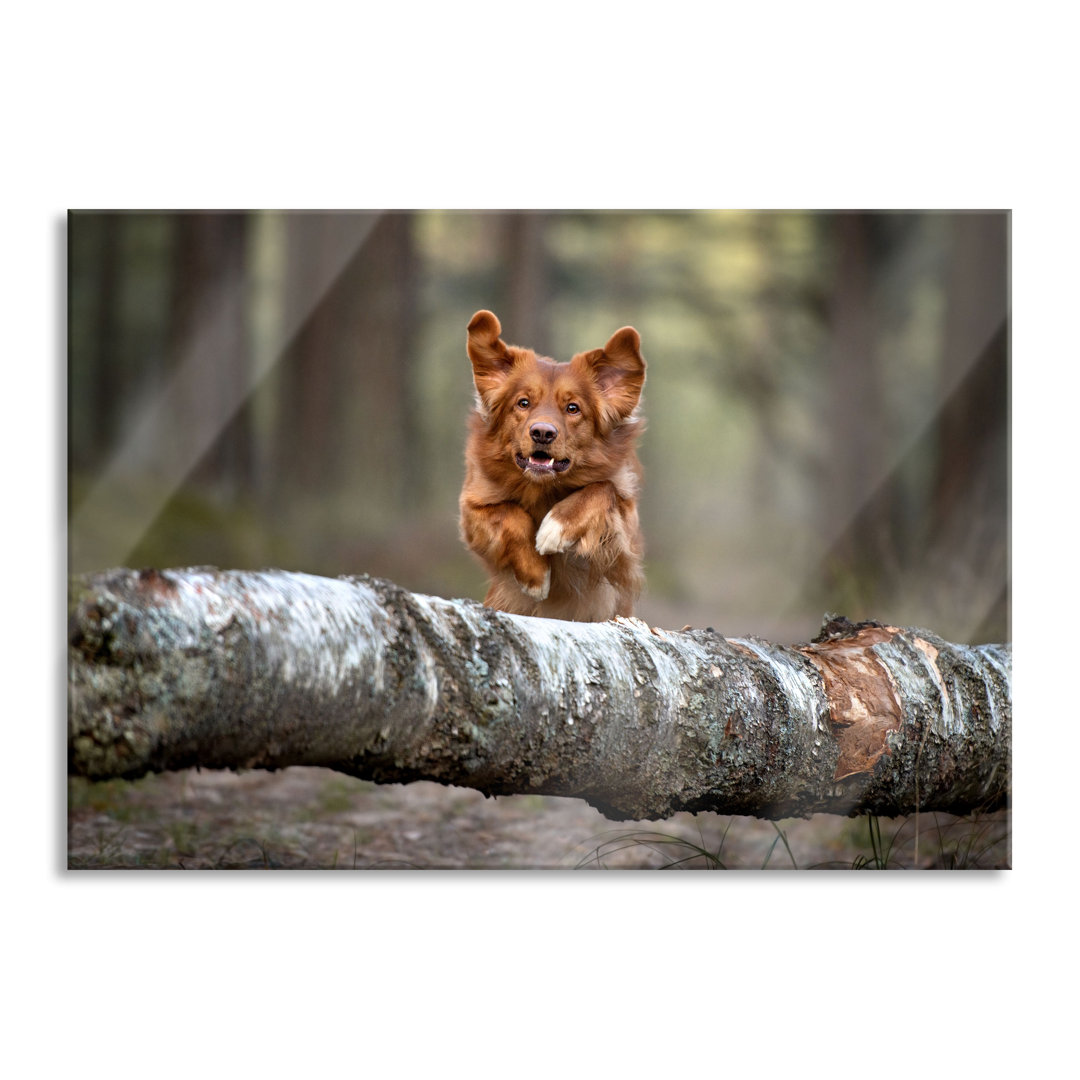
[[236, 669]]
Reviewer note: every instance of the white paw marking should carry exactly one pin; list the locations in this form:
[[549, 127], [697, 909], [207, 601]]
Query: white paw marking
[[550, 537], [540, 593]]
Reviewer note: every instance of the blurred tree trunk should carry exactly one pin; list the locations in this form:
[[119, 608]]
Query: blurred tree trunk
[[264, 670], [107, 380], [969, 533], [856, 416], [389, 449], [307, 417], [527, 281], [95, 369], [347, 418], [975, 353], [209, 329]]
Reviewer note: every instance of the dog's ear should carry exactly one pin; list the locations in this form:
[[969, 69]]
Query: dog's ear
[[618, 370], [490, 355]]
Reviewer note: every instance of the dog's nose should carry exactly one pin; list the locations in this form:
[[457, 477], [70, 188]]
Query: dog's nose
[[542, 434]]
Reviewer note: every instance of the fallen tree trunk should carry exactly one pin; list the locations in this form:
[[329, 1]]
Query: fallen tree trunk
[[241, 670]]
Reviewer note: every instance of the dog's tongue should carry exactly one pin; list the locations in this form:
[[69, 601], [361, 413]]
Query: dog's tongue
[[542, 460]]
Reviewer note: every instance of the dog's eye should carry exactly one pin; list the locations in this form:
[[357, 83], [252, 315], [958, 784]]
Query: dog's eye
[[573, 407], [523, 403]]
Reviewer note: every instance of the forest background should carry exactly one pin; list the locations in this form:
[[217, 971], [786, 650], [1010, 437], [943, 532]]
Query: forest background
[[827, 398]]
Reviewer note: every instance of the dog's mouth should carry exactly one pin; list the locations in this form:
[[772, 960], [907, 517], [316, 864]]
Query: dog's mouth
[[541, 463]]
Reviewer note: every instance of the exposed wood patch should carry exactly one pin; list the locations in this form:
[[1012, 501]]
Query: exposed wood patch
[[863, 703], [152, 583]]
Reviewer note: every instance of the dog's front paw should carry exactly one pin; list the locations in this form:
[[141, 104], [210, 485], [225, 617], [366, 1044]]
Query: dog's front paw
[[538, 591], [551, 537]]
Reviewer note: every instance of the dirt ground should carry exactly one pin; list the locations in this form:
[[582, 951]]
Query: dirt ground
[[304, 818]]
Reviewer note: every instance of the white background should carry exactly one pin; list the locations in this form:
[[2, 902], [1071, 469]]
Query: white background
[[119, 105]]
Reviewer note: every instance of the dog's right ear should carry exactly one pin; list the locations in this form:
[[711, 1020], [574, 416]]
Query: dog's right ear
[[490, 355]]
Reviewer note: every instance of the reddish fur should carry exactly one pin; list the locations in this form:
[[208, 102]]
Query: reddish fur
[[589, 511]]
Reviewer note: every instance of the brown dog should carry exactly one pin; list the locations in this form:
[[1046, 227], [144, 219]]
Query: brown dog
[[551, 477]]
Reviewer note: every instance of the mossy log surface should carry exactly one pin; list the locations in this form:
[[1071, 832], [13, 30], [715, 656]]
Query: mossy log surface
[[240, 670]]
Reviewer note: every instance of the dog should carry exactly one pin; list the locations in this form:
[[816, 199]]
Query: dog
[[550, 498]]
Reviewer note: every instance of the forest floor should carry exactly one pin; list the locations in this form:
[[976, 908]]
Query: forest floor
[[307, 818]]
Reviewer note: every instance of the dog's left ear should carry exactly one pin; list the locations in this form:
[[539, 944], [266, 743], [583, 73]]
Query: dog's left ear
[[618, 370]]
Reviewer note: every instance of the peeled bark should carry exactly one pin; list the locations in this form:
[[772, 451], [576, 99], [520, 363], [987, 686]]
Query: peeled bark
[[237, 669]]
